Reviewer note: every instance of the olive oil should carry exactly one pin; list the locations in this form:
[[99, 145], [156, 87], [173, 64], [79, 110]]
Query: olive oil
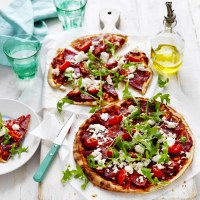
[[166, 58], [167, 46]]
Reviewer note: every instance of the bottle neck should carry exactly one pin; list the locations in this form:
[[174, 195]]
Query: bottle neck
[[169, 27]]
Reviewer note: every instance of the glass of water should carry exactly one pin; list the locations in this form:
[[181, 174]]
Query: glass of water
[[70, 12], [22, 54]]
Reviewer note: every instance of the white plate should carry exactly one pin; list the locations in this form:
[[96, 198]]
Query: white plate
[[15, 109]]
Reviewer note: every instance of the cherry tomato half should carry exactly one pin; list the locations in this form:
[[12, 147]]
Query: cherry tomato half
[[114, 120], [126, 136], [121, 176], [175, 149], [15, 135], [109, 153], [64, 66], [91, 143]]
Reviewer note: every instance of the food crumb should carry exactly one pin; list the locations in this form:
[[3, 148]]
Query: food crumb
[[94, 195]]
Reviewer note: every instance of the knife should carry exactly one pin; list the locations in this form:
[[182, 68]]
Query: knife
[[43, 168]]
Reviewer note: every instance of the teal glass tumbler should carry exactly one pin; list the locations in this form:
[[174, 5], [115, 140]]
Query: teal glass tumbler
[[70, 12], [22, 53]]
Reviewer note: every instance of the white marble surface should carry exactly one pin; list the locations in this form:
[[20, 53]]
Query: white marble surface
[[137, 17]]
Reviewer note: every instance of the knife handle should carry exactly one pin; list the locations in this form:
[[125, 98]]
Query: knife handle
[[43, 168]]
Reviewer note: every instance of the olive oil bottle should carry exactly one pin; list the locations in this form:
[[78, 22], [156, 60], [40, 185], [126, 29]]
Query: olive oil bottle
[[167, 46]]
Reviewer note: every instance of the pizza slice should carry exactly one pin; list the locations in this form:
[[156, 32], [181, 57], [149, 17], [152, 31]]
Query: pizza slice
[[66, 67], [12, 133], [134, 66], [109, 43]]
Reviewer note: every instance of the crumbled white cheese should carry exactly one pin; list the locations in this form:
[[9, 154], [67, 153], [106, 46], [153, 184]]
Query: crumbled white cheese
[[15, 127], [139, 167], [104, 116], [156, 158], [187, 154], [63, 88], [94, 135], [136, 50], [151, 122], [81, 56], [139, 149], [115, 169], [121, 61], [141, 67], [131, 108], [86, 82], [170, 141], [109, 80], [128, 169], [130, 76], [159, 166], [141, 179], [55, 71], [132, 68], [91, 48], [69, 70], [94, 43], [170, 124], [2, 131], [104, 57], [96, 128], [182, 152]]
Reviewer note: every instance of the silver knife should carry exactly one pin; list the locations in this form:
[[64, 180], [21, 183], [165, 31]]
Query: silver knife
[[43, 168]]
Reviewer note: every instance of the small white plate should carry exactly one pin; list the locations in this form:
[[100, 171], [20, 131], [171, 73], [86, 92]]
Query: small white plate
[[14, 109]]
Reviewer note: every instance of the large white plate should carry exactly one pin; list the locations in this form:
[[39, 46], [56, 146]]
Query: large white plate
[[14, 109]]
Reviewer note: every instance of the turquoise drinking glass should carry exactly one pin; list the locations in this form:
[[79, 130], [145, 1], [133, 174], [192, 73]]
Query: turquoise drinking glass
[[70, 12], [22, 53]]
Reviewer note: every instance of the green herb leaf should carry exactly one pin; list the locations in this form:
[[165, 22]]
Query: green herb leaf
[[76, 173], [7, 138], [62, 102], [19, 150], [126, 93], [148, 174], [111, 47], [183, 140], [161, 81], [163, 97]]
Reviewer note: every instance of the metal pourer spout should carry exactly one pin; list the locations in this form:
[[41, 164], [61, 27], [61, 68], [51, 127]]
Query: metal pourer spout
[[170, 17]]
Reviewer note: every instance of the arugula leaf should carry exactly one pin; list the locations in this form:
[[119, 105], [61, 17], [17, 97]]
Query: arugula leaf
[[126, 93], [148, 174], [94, 109], [111, 47], [77, 174], [163, 97], [19, 150], [7, 138], [91, 56], [183, 140], [161, 81], [62, 101], [164, 156]]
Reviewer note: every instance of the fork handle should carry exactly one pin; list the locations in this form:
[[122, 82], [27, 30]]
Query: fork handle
[[44, 166]]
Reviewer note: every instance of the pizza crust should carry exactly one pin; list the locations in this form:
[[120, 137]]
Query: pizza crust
[[97, 180]]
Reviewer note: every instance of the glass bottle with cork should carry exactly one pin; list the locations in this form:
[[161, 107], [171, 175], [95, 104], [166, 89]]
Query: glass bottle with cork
[[167, 46]]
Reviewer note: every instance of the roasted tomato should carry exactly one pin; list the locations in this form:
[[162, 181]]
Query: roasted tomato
[[114, 120], [121, 176], [126, 136], [134, 59], [157, 172], [175, 149], [109, 153], [91, 143], [85, 46], [15, 135], [64, 66]]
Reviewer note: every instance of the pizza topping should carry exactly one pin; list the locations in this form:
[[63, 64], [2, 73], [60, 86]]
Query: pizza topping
[[3, 131], [105, 116], [109, 80], [15, 127], [104, 57], [56, 72], [64, 66], [91, 143], [139, 149], [114, 120], [97, 128], [176, 148], [81, 56]]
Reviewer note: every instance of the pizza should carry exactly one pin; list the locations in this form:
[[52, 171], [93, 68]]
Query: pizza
[[91, 75], [136, 146], [99, 43], [12, 134]]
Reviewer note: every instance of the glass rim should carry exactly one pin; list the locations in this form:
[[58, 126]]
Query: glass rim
[[57, 6], [17, 36]]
